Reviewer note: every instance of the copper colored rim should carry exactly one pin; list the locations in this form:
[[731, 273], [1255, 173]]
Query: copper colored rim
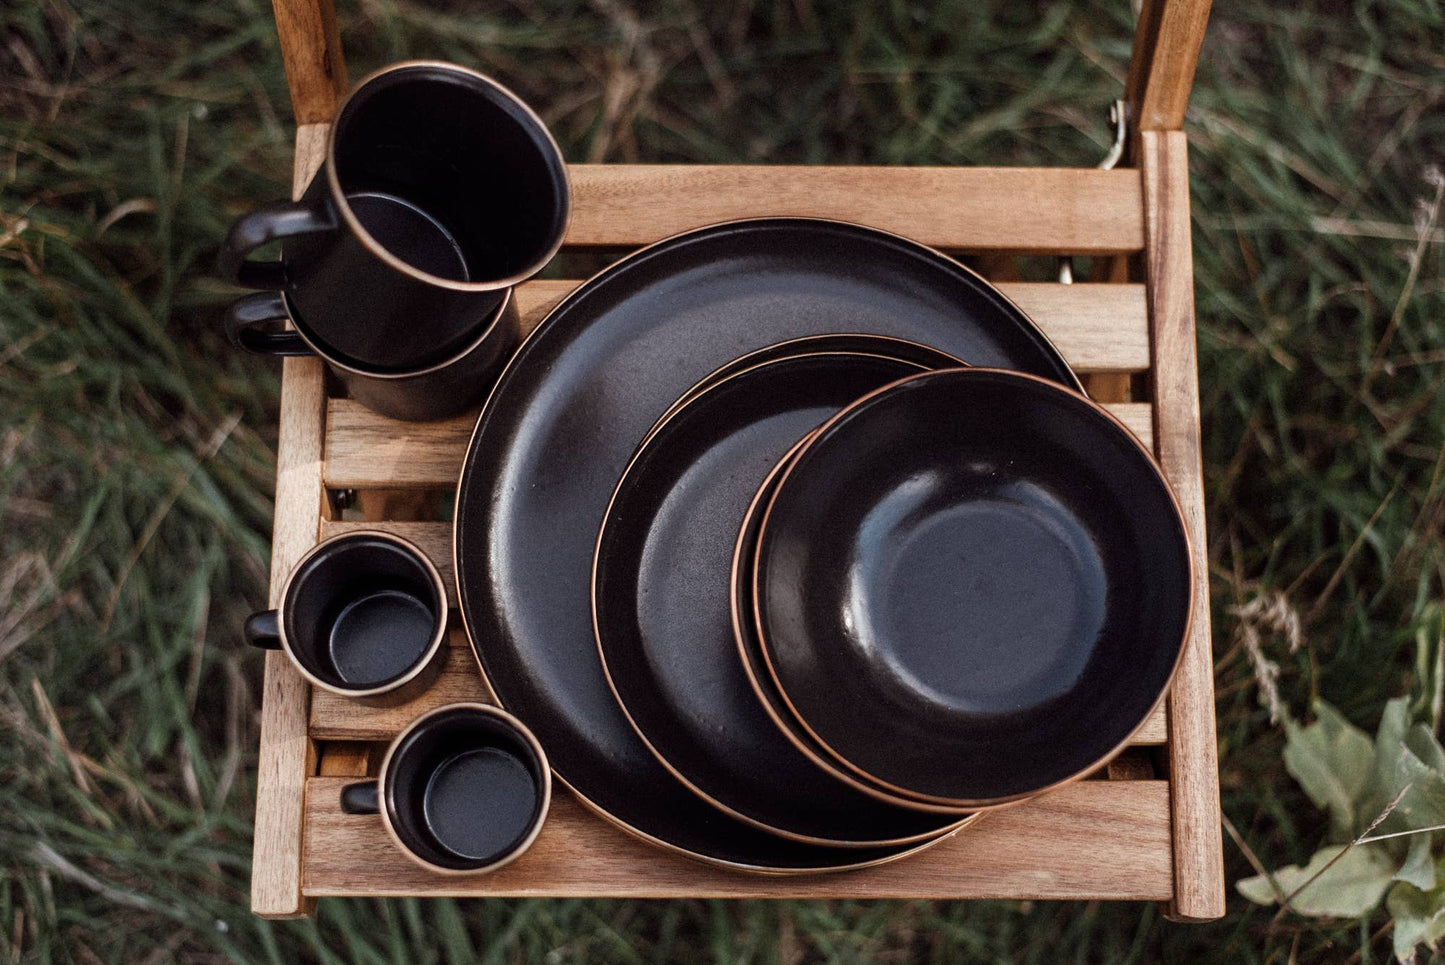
[[543, 809], [422, 662], [765, 355], [1075, 398], [338, 197], [741, 626]]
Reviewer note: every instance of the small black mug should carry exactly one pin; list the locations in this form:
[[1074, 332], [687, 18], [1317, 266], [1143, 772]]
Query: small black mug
[[463, 790], [362, 615], [440, 190], [438, 391]]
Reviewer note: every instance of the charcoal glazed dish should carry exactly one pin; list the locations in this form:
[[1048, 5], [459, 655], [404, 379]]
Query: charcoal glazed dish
[[661, 606], [972, 585], [572, 405], [745, 637]]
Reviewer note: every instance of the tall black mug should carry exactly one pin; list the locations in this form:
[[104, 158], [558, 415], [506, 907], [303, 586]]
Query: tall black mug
[[440, 191]]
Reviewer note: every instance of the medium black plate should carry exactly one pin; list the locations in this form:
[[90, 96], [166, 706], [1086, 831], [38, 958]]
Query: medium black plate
[[661, 595], [972, 585], [572, 405]]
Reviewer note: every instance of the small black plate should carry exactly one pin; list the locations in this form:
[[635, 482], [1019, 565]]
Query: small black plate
[[972, 585], [661, 595]]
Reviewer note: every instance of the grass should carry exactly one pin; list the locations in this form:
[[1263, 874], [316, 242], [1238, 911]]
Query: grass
[[136, 449]]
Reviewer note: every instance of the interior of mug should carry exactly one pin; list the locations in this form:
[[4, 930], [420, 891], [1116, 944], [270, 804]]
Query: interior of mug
[[362, 613], [464, 789], [465, 154]]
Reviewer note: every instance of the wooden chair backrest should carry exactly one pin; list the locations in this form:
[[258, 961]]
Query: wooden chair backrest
[[1161, 67]]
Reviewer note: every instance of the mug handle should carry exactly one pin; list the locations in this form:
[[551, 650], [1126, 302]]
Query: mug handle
[[247, 314], [263, 629], [362, 798], [262, 226]]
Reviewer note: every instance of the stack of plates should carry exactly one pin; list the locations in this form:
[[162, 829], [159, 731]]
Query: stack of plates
[[798, 546]]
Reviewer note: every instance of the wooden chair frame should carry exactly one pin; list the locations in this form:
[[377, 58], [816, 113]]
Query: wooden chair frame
[[1136, 835]]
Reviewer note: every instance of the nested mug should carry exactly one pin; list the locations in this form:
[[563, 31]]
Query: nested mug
[[439, 192]]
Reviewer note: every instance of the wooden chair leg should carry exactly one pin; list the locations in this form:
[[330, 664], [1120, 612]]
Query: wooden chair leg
[[1193, 751], [287, 754], [1161, 67], [311, 48]]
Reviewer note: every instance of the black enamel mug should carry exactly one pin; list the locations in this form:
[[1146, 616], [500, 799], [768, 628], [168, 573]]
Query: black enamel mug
[[362, 615], [464, 789], [440, 190]]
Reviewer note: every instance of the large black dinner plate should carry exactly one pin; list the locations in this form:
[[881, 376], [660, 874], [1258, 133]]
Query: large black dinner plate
[[662, 602], [573, 404]]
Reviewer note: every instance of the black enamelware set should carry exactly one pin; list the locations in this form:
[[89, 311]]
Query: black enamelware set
[[794, 542]]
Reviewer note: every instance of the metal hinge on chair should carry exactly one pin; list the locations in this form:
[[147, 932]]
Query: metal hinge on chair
[[1119, 117]]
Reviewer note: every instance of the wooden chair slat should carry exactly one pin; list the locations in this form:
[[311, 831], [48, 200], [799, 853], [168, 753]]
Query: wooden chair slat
[[1098, 328], [1051, 211], [1049, 847], [1080, 211], [368, 451], [339, 718], [346, 758]]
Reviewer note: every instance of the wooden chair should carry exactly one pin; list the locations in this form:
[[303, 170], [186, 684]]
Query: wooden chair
[[1143, 833]]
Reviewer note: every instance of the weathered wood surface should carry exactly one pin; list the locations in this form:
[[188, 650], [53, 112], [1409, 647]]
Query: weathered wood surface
[[1103, 839], [1194, 763], [287, 756], [1081, 211], [1161, 68], [311, 49], [367, 451]]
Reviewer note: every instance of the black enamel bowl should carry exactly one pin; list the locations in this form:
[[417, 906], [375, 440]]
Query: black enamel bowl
[[972, 585], [754, 666]]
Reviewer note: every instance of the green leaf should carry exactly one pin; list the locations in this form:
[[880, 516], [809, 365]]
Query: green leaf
[[1419, 917], [1349, 889], [1394, 722], [1418, 869], [1424, 803], [1332, 759], [1422, 743], [1406, 756]]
